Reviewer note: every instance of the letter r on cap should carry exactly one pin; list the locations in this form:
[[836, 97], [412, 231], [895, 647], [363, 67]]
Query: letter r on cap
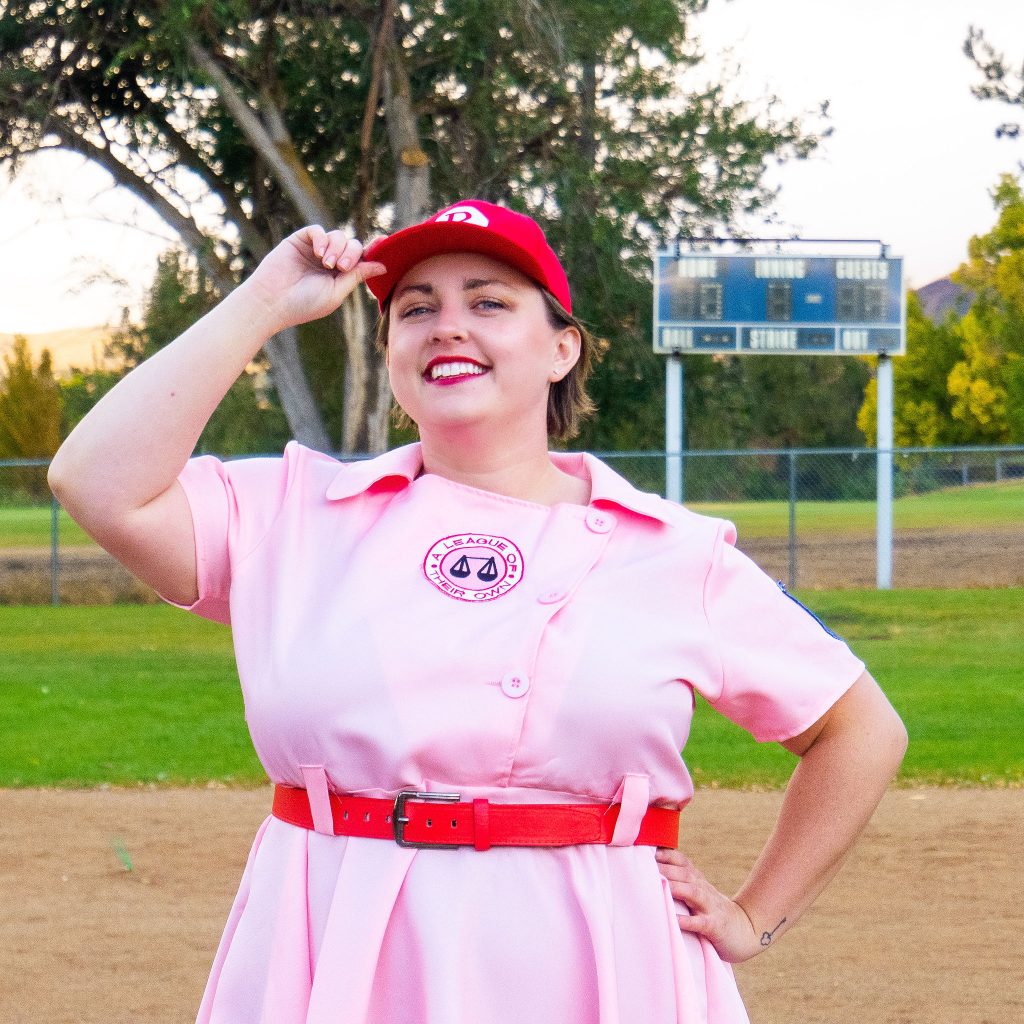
[[464, 215]]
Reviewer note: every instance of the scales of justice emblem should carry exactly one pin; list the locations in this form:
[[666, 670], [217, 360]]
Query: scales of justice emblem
[[474, 567]]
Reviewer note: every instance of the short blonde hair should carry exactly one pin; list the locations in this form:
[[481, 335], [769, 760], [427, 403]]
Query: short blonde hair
[[568, 401]]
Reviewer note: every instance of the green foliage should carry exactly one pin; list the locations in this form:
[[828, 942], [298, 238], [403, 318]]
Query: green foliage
[[962, 380], [987, 379], [30, 413], [923, 404]]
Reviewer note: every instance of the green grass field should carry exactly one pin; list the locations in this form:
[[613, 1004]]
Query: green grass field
[[976, 506], [29, 527], [140, 694], [987, 506]]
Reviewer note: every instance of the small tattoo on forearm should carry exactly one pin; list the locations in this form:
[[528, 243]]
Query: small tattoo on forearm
[[766, 937]]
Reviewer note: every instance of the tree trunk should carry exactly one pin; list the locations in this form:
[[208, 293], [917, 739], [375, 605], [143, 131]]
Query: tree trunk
[[292, 386], [412, 165]]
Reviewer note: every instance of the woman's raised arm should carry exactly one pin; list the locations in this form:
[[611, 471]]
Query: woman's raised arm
[[116, 474]]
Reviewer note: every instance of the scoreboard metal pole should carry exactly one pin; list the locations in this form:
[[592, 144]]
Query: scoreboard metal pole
[[675, 428], [884, 434]]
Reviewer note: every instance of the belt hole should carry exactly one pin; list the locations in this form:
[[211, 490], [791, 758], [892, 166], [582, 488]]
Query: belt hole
[[430, 822], [344, 815], [366, 816], [455, 824], [387, 819]]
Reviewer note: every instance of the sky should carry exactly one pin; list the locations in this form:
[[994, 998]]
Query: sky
[[911, 159]]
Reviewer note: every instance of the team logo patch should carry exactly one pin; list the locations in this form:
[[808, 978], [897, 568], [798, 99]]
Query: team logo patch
[[464, 215], [474, 566]]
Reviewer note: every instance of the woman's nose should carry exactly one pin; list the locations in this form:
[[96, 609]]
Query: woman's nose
[[448, 325]]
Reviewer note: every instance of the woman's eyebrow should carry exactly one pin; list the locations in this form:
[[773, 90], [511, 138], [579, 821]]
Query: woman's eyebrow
[[426, 289], [483, 282]]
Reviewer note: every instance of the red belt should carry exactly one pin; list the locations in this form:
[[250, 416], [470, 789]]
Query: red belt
[[442, 820]]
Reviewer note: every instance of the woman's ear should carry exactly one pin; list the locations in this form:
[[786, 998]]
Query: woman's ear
[[567, 352]]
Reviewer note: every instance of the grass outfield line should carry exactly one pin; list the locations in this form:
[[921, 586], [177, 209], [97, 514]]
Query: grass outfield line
[[987, 506], [148, 694]]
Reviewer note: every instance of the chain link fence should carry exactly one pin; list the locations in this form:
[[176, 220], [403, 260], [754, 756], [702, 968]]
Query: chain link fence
[[807, 516]]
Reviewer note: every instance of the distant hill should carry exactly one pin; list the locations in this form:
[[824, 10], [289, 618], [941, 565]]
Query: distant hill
[[941, 296], [82, 347]]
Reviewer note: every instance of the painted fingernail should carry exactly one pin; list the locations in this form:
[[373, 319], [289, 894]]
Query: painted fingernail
[[329, 262], [345, 264]]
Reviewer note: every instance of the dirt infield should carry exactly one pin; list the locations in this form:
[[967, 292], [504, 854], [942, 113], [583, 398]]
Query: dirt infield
[[923, 925], [921, 558]]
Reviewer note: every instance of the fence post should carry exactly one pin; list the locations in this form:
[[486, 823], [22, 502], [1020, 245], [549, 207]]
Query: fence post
[[792, 519], [54, 551]]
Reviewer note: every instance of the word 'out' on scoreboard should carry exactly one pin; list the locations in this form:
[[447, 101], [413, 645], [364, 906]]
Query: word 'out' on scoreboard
[[768, 304]]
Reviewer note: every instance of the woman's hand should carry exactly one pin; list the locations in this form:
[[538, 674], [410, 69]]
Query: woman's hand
[[309, 275], [722, 921]]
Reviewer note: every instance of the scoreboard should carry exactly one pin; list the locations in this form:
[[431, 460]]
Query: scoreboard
[[778, 305]]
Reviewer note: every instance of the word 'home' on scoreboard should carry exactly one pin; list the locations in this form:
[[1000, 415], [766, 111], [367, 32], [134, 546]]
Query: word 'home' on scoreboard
[[778, 304]]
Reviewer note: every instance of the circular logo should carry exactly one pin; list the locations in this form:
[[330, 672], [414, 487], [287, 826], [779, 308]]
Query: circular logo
[[474, 566]]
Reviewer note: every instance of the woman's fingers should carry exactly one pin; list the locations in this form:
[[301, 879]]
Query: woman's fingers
[[713, 915]]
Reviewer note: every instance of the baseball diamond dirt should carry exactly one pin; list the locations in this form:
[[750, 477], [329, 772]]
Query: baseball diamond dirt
[[113, 902], [921, 558]]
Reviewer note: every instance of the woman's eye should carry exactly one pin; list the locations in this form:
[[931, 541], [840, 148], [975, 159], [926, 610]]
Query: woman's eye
[[490, 304], [412, 311]]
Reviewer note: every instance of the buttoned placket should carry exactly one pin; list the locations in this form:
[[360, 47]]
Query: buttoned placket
[[568, 549]]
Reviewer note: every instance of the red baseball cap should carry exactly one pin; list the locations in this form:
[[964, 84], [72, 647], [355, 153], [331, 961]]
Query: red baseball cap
[[470, 225]]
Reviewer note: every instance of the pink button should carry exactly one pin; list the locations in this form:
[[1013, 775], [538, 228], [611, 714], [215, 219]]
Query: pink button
[[600, 522], [551, 596], [515, 684]]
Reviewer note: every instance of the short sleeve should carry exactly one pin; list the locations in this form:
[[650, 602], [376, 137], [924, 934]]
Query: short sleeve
[[233, 506], [781, 668]]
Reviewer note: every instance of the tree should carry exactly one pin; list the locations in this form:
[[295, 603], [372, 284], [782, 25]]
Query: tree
[[923, 405], [598, 138], [30, 413], [222, 100], [962, 380], [987, 384], [573, 111], [1001, 81]]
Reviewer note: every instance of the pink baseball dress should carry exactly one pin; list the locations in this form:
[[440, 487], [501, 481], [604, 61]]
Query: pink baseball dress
[[395, 631]]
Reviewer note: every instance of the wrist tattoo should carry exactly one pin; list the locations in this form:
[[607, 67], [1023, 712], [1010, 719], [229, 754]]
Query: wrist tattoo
[[766, 937]]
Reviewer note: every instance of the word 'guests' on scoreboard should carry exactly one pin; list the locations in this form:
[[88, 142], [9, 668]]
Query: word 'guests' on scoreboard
[[778, 305]]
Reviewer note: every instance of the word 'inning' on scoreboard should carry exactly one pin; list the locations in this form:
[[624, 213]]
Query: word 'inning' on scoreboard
[[747, 304]]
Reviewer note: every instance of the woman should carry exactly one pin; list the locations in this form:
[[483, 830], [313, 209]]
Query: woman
[[472, 642]]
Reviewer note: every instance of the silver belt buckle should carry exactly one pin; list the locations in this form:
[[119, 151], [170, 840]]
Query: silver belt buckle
[[399, 819]]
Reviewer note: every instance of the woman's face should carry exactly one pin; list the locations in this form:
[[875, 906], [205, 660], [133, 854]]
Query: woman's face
[[470, 343]]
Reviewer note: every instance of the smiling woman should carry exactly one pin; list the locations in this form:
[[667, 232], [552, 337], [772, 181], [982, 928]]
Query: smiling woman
[[469, 664]]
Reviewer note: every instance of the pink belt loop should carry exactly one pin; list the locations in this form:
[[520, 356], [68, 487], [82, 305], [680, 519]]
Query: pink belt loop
[[314, 778], [634, 794]]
